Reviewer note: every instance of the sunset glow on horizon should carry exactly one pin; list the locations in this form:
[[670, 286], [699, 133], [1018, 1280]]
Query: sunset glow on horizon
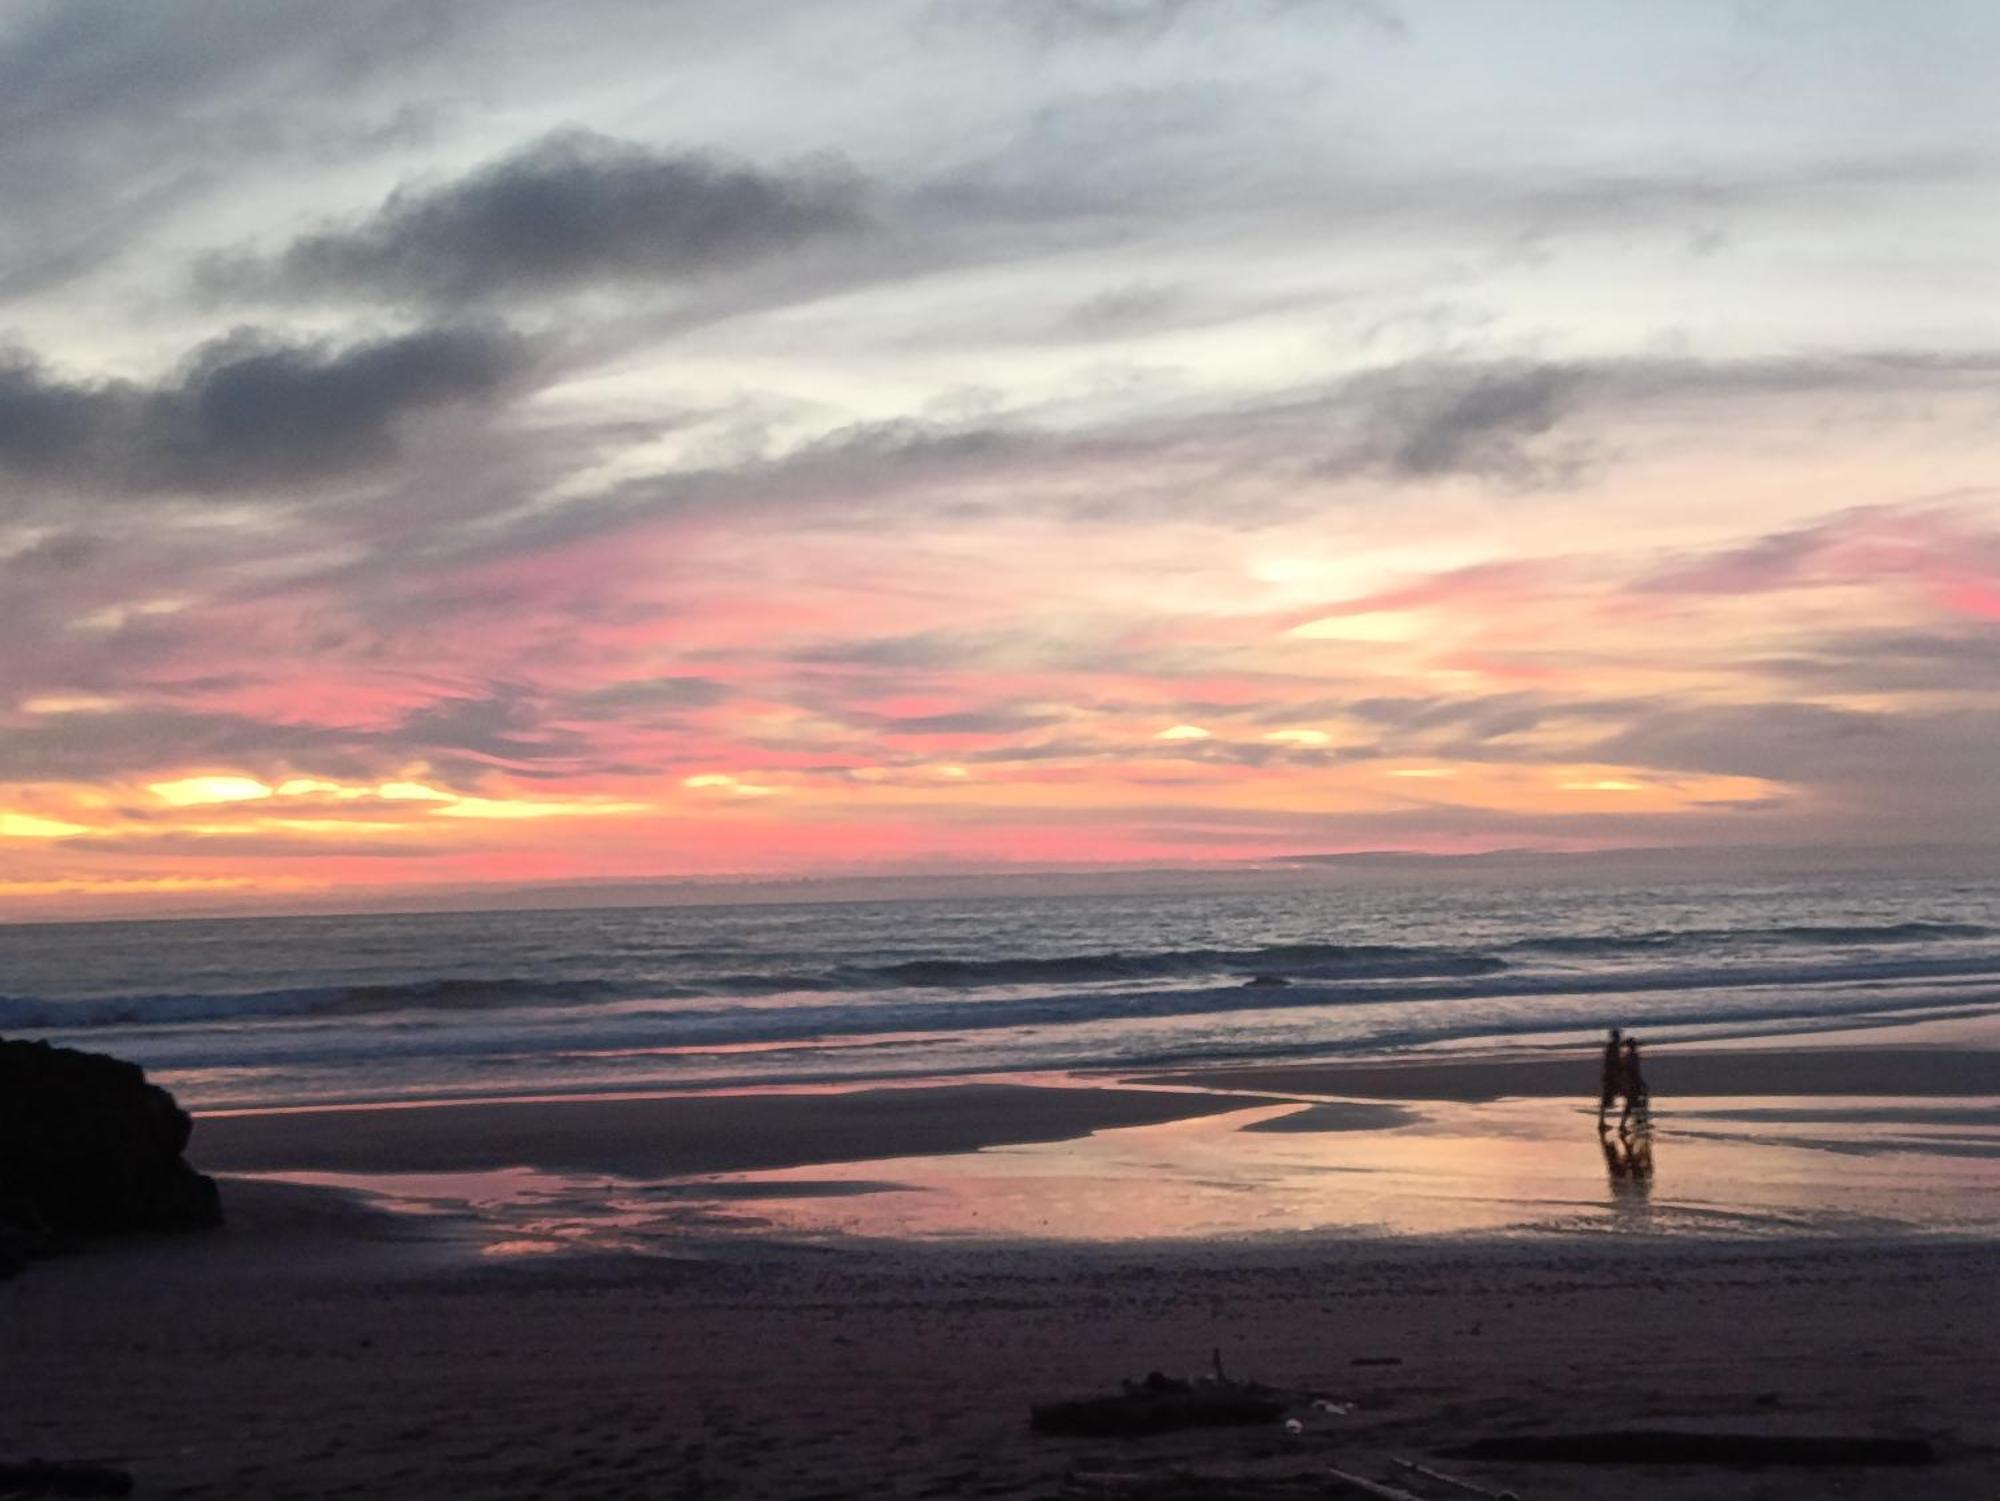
[[1125, 433]]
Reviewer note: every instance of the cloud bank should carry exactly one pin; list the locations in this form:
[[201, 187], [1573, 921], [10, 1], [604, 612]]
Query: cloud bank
[[445, 444], [572, 209]]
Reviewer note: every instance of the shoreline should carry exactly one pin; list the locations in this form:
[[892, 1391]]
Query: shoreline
[[1811, 1144], [736, 1326], [720, 1130], [1934, 1031]]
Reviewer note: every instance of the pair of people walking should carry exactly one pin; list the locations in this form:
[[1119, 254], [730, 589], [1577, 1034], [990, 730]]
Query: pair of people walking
[[1622, 1078]]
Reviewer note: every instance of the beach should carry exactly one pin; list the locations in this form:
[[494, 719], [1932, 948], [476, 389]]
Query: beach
[[737, 1295], [1072, 750]]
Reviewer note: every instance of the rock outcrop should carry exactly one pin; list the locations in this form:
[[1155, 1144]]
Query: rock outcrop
[[88, 1147]]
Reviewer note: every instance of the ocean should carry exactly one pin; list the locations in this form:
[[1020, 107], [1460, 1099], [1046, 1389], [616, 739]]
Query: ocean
[[257, 1012]]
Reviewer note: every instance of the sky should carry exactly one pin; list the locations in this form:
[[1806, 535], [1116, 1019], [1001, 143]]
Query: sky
[[449, 444]]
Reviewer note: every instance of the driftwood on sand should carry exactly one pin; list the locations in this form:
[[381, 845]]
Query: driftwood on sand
[[1166, 1404], [1162, 1404]]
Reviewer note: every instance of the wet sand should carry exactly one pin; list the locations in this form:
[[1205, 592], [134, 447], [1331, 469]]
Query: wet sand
[[1671, 1072], [668, 1136], [321, 1347], [663, 1136], [251, 1366]]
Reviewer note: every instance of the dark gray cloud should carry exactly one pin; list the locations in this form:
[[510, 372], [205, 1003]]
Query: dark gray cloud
[[1710, 206], [1000, 719], [1492, 728], [114, 115], [1769, 562], [251, 409], [648, 696], [942, 649], [1051, 21], [573, 209], [146, 740], [1791, 742], [502, 727], [1061, 20], [1137, 307], [1255, 753], [1485, 717], [461, 738], [1965, 661], [1482, 422], [46, 424], [56, 554], [246, 409], [1809, 743], [1080, 643], [1926, 775], [260, 845]]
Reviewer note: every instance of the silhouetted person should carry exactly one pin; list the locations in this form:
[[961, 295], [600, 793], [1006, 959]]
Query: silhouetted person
[[1634, 1085], [1614, 1075]]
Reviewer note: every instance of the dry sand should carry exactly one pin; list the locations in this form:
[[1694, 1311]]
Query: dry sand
[[318, 1348]]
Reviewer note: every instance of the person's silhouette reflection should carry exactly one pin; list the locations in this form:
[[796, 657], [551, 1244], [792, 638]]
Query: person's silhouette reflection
[[1628, 1158]]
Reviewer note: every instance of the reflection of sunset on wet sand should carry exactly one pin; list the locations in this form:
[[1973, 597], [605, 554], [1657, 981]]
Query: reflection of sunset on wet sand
[[1247, 1167], [1507, 1169]]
